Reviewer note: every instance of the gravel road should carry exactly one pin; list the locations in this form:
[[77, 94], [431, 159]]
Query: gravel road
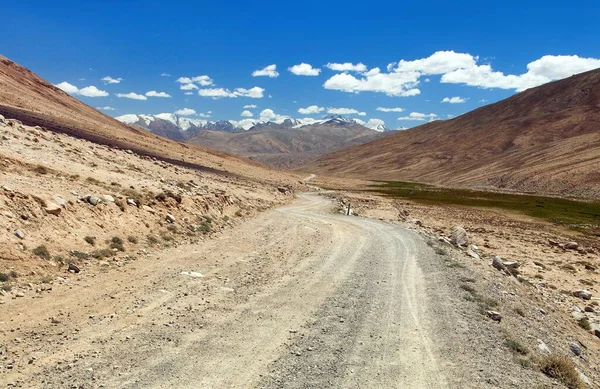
[[295, 298]]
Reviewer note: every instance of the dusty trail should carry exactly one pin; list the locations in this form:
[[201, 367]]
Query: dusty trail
[[297, 297]]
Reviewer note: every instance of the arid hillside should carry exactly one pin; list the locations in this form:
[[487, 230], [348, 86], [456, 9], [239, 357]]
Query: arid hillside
[[32, 100], [287, 147], [545, 139]]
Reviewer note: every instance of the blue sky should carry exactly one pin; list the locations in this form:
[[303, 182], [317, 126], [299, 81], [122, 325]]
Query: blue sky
[[474, 52]]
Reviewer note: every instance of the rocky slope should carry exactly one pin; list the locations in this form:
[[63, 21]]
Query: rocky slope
[[544, 139]]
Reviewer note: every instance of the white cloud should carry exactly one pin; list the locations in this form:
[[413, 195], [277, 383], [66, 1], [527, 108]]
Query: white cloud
[[347, 67], [188, 87], [397, 109], [154, 93], [165, 75], [188, 93], [268, 71], [454, 100], [184, 80], [255, 92], [88, 91], [69, 88], [304, 69], [132, 95], [110, 80], [439, 62], [247, 114], [203, 80], [205, 115], [106, 108], [310, 110], [267, 115], [185, 112], [345, 111], [418, 116], [392, 84], [374, 124], [250, 106]]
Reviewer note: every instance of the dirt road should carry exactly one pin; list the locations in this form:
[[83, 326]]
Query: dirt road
[[298, 297]]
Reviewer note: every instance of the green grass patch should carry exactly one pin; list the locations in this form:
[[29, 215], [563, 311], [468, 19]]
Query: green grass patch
[[579, 215]]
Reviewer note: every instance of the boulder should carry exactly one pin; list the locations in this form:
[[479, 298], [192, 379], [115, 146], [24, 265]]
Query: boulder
[[459, 236], [495, 316], [498, 264], [575, 348], [583, 294], [571, 246], [94, 200], [53, 209], [73, 268], [148, 209]]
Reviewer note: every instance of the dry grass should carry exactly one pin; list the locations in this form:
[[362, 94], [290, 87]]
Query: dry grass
[[562, 369], [42, 252]]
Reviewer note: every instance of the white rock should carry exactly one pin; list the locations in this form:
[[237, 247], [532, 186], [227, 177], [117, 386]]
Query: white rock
[[170, 218], [53, 209], [108, 198], [459, 236], [583, 294]]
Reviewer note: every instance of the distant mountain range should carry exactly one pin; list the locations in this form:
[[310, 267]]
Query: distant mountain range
[[285, 143], [181, 128]]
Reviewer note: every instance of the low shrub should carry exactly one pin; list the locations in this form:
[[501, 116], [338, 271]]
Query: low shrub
[[42, 252]]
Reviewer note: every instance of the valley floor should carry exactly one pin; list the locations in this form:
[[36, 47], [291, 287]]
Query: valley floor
[[296, 297]]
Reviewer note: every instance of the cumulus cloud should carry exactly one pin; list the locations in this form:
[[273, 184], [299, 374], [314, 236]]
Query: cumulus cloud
[[392, 84], [267, 115], [403, 77], [88, 91], [250, 106], [347, 67], [304, 69], [185, 112], [188, 87], [454, 100], [201, 80], [132, 95], [418, 116], [311, 109], [106, 108], [397, 109], [247, 114], [345, 111], [268, 71], [154, 93], [216, 93], [110, 80]]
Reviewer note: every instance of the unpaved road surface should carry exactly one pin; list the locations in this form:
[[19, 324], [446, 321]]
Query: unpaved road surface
[[295, 298]]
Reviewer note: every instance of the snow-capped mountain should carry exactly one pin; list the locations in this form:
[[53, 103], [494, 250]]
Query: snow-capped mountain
[[182, 128]]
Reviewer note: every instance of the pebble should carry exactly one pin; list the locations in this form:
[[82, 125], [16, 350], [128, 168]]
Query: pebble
[[19, 234]]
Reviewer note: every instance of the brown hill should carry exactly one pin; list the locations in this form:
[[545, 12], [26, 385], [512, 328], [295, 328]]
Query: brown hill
[[287, 147], [32, 100], [545, 140]]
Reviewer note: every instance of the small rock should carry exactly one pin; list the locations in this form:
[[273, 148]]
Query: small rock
[[498, 264], [53, 209], [282, 189], [148, 209], [571, 246], [170, 218], [19, 294], [543, 348], [108, 198], [589, 309], [60, 201], [495, 316], [575, 348], [597, 333], [19, 234], [511, 265], [459, 236], [131, 202], [552, 242], [73, 268], [583, 294], [94, 200], [473, 254]]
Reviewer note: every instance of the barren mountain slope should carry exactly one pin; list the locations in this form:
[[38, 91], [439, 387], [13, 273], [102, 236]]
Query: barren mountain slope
[[34, 101], [288, 147], [546, 139]]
